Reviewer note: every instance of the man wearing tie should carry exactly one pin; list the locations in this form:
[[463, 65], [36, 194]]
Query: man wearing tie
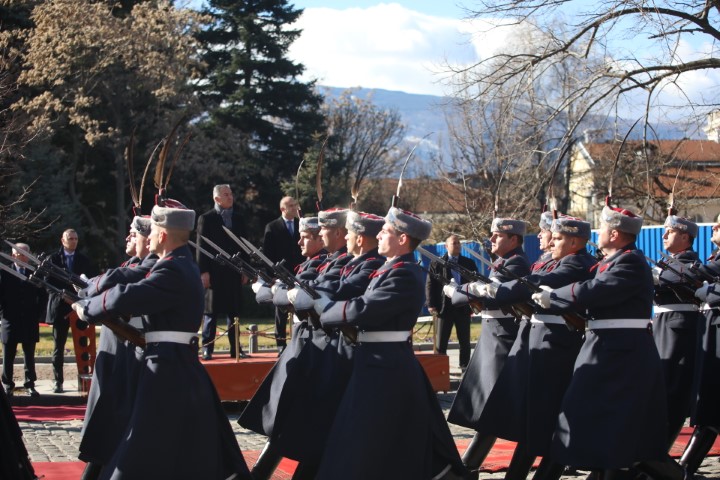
[[440, 305], [73, 261], [21, 307], [223, 285], [280, 242]]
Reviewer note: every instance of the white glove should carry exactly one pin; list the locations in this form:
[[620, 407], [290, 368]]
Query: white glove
[[491, 289], [79, 308], [264, 294], [656, 271], [703, 291], [257, 286], [321, 304], [82, 292], [84, 277], [300, 299], [450, 288], [543, 298], [275, 286], [477, 289]]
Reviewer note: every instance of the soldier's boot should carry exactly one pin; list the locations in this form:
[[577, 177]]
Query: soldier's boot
[[477, 452], [697, 448], [548, 470], [267, 463], [91, 471], [520, 464], [303, 471], [666, 469]]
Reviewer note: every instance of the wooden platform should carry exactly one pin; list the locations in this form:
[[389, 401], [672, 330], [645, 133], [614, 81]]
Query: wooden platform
[[238, 380]]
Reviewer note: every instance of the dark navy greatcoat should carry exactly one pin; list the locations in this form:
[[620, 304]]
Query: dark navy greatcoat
[[675, 334], [488, 359], [22, 307], [177, 418], [389, 424], [706, 385], [117, 366], [528, 394], [613, 413], [261, 412], [324, 368]]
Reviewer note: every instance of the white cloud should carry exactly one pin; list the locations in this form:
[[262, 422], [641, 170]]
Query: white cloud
[[387, 46]]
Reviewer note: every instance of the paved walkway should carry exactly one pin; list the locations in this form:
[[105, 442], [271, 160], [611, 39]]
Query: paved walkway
[[59, 441]]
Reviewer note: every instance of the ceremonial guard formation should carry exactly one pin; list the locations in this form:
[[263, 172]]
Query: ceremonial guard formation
[[592, 362], [176, 413]]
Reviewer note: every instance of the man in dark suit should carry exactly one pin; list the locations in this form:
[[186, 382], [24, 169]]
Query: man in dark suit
[[440, 305], [21, 307], [223, 285], [73, 261], [281, 243]]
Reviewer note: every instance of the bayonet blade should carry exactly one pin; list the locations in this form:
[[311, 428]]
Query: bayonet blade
[[13, 272], [237, 240], [215, 246], [18, 261], [429, 255], [24, 252], [482, 259]]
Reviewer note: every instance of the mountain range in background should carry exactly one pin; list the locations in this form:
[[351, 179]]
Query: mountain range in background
[[424, 114]]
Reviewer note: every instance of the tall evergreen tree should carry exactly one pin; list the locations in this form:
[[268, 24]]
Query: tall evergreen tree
[[252, 87]]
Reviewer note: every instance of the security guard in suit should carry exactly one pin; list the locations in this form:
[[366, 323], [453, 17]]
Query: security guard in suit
[[440, 305]]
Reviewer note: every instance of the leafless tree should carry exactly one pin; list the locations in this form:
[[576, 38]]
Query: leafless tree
[[597, 47]]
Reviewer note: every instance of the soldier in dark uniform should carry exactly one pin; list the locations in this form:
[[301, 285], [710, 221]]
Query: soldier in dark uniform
[[22, 306], [530, 388], [705, 413], [118, 362], [177, 417], [499, 330], [440, 305], [260, 413], [675, 325], [326, 363], [388, 424], [613, 414]]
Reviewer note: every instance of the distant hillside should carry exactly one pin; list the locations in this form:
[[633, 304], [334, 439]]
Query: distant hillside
[[423, 114]]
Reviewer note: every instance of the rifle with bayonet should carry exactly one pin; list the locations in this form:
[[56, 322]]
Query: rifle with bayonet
[[120, 327], [467, 275], [282, 274], [235, 262], [574, 320], [45, 266], [685, 291]]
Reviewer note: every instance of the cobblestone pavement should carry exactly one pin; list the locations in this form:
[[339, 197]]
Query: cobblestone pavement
[[59, 441]]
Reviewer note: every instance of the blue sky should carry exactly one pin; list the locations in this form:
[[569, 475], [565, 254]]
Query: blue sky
[[403, 46]]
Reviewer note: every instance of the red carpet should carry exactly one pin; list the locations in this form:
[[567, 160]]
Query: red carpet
[[498, 459], [59, 413]]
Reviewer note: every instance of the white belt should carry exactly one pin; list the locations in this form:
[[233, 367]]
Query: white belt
[[170, 336], [618, 323], [372, 337], [676, 307], [494, 314], [544, 318]]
